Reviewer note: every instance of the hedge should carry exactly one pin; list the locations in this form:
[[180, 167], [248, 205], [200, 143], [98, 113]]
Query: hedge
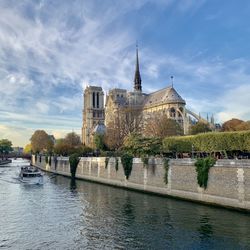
[[209, 142], [139, 146]]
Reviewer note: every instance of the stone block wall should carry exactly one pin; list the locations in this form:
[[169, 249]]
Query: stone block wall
[[228, 182]]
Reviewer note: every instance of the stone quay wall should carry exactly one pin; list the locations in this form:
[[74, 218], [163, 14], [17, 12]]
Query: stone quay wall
[[228, 182]]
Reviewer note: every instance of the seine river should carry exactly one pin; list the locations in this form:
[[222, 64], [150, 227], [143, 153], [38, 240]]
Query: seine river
[[59, 215]]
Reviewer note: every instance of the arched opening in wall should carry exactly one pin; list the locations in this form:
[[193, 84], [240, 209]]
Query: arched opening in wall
[[93, 99], [172, 112], [97, 100], [179, 114]]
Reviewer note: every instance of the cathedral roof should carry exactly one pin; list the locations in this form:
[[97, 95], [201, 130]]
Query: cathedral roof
[[166, 95]]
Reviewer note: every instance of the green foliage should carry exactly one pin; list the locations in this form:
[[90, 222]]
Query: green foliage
[[73, 161], [99, 141], [166, 167], [209, 142], [200, 127], [127, 163], [145, 160], [106, 162], [177, 144], [202, 166], [5, 146], [116, 164], [138, 145]]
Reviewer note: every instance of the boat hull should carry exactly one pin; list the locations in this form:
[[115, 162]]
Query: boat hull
[[38, 180]]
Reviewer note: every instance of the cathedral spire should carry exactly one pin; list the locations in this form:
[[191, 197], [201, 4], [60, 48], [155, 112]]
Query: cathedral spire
[[137, 79]]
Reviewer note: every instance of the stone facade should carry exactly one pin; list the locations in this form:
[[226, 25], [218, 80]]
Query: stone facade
[[93, 112]]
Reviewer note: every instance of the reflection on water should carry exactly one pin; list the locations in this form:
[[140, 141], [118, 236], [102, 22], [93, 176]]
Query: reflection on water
[[67, 214], [205, 228], [73, 184]]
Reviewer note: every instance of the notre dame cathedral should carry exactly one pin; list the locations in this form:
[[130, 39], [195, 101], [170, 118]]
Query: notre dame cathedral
[[97, 114]]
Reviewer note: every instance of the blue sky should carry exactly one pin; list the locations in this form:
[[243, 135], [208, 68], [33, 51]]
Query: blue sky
[[51, 49]]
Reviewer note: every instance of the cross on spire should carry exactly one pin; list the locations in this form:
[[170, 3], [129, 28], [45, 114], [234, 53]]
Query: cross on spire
[[172, 81]]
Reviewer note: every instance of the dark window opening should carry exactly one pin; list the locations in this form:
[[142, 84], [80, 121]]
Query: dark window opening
[[93, 99], [97, 100]]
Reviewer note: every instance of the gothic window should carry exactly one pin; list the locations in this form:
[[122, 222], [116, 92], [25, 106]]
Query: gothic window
[[93, 99], [172, 112], [97, 100]]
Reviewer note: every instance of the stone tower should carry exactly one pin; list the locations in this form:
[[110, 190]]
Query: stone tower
[[93, 112]]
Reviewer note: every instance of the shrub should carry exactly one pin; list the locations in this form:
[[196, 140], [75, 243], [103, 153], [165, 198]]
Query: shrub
[[166, 167], [145, 160], [209, 142], [116, 164], [73, 161], [202, 167], [127, 163], [106, 162]]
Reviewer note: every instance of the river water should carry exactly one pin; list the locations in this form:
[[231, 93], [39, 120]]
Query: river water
[[83, 215]]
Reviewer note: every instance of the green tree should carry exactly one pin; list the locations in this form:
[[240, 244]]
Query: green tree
[[200, 127], [40, 141], [99, 141], [139, 146], [5, 146]]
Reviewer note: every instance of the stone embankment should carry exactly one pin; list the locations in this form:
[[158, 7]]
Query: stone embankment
[[228, 183], [4, 162]]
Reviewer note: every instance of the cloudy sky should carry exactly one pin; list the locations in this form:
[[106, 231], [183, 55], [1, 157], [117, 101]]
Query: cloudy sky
[[51, 49]]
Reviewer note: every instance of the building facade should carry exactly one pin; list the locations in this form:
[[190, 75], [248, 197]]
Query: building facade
[[164, 101]]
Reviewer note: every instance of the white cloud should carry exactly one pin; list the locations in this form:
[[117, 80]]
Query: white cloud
[[49, 52], [235, 103]]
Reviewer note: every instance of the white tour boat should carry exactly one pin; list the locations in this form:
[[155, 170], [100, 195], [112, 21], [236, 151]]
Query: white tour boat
[[30, 175]]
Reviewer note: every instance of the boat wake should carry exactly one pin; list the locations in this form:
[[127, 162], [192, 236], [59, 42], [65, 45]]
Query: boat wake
[[10, 181]]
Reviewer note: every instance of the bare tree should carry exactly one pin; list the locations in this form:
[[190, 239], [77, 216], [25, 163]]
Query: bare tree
[[161, 126], [127, 120]]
